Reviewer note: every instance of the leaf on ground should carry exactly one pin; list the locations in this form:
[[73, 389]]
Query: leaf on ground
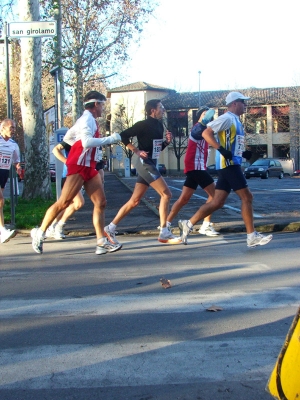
[[214, 308], [166, 284]]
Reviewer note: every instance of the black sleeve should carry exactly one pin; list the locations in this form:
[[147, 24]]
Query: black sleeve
[[66, 146], [131, 132]]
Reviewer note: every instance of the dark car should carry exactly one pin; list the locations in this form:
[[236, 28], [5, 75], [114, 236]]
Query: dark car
[[211, 169], [264, 168], [162, 169], [52, 175]]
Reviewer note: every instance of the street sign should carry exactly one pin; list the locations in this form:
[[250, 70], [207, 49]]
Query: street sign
[[119, 153], [32, 29]]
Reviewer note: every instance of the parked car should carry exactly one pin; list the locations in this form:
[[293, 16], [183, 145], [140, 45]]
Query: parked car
[[52, 175], [22, 173], [162, 169], [211, 169], [297, 172], [264, 168]]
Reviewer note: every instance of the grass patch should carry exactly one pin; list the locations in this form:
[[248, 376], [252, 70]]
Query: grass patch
[[28, 213]]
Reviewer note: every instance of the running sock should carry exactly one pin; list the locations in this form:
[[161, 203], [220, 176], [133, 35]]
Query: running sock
[[41, 233], [250, 236], [101, 241], [169, 224], [190, 225], [205, 224], [112, 227], [60, 223], [164, 230]]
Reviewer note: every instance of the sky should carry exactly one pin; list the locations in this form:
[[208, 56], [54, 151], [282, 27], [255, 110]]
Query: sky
[[234, 44]]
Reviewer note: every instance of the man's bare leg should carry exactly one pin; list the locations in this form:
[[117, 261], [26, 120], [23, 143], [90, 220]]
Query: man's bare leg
[[95, 191]]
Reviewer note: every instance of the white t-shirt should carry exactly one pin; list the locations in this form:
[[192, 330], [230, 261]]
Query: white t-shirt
[[9, 153]]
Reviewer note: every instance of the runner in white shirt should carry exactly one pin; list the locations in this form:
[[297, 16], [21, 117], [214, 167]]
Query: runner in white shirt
[[9, 154]]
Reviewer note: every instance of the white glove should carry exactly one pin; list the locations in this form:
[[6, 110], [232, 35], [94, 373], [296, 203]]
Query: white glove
[[115, 137]]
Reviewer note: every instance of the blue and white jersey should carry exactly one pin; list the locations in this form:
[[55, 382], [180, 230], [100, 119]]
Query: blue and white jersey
[[230, 134]]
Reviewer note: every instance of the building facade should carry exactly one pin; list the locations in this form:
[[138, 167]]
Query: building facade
[[271, 121]]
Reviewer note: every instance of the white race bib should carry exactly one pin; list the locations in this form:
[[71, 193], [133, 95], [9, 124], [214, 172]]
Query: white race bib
[[5, 159], [98, 154], [239, 145], [157, 145]]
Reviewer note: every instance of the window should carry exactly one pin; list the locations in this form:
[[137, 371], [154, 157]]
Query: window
[[178, 123], [281, 118], [256, 120]]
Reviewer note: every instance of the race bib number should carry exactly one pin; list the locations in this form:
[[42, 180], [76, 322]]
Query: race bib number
[[98, 154], [157, 145], [239, 145], [5, 159]]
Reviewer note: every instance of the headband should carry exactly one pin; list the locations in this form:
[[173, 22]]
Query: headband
[[94, 101]]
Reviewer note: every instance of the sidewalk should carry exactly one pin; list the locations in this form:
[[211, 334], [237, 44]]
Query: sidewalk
[[144, 219]]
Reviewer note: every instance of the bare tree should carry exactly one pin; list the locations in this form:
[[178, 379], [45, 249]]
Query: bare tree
[[178, 125], [37, 177], [95, 36], [124, 119]]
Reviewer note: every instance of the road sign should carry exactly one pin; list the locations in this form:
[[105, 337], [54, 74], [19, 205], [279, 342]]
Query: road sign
[[119, 153], [32, 29]]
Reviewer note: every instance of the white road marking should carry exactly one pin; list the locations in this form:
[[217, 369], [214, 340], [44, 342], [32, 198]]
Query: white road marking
[[138, 363], [238, 210], [167, 302]]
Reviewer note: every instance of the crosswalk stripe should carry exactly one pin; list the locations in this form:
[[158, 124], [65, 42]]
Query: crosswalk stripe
[[136, 363], [150, 303]]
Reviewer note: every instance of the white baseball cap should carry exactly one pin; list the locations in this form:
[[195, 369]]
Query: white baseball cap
[[233, 96]]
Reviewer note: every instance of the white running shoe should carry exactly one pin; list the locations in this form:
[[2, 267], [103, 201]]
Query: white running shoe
[[111, 235], [184, 230], [58, 232], [107, 247], [37, 240], [259, 240], [169, 238], [208, 230], [6, 235]]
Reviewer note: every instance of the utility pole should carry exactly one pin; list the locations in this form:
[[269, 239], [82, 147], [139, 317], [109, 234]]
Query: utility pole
[[199, 93], [58, 62]]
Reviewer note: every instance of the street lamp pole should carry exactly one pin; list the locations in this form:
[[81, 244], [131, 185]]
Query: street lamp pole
[[199, 93]]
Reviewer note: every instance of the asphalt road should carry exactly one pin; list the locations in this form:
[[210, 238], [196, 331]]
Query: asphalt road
[[79, 326]]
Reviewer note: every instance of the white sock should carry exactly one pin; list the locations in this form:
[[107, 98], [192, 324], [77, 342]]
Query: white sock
[[190, 225], [169, 224], [164, 230], [250, 235], [112, 227], [205, 224], [52, 226], [41, 233], [101, 241], [61, 223], [2, 229]]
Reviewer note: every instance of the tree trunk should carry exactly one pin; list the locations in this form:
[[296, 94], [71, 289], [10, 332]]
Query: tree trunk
[[37, 176], [77, 108]]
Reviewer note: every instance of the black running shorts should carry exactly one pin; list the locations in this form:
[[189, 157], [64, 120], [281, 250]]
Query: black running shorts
[[4, 174], [231, 177], [197, 177]]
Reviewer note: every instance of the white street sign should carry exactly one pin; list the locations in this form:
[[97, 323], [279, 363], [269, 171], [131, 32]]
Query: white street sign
[[32, 29]]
